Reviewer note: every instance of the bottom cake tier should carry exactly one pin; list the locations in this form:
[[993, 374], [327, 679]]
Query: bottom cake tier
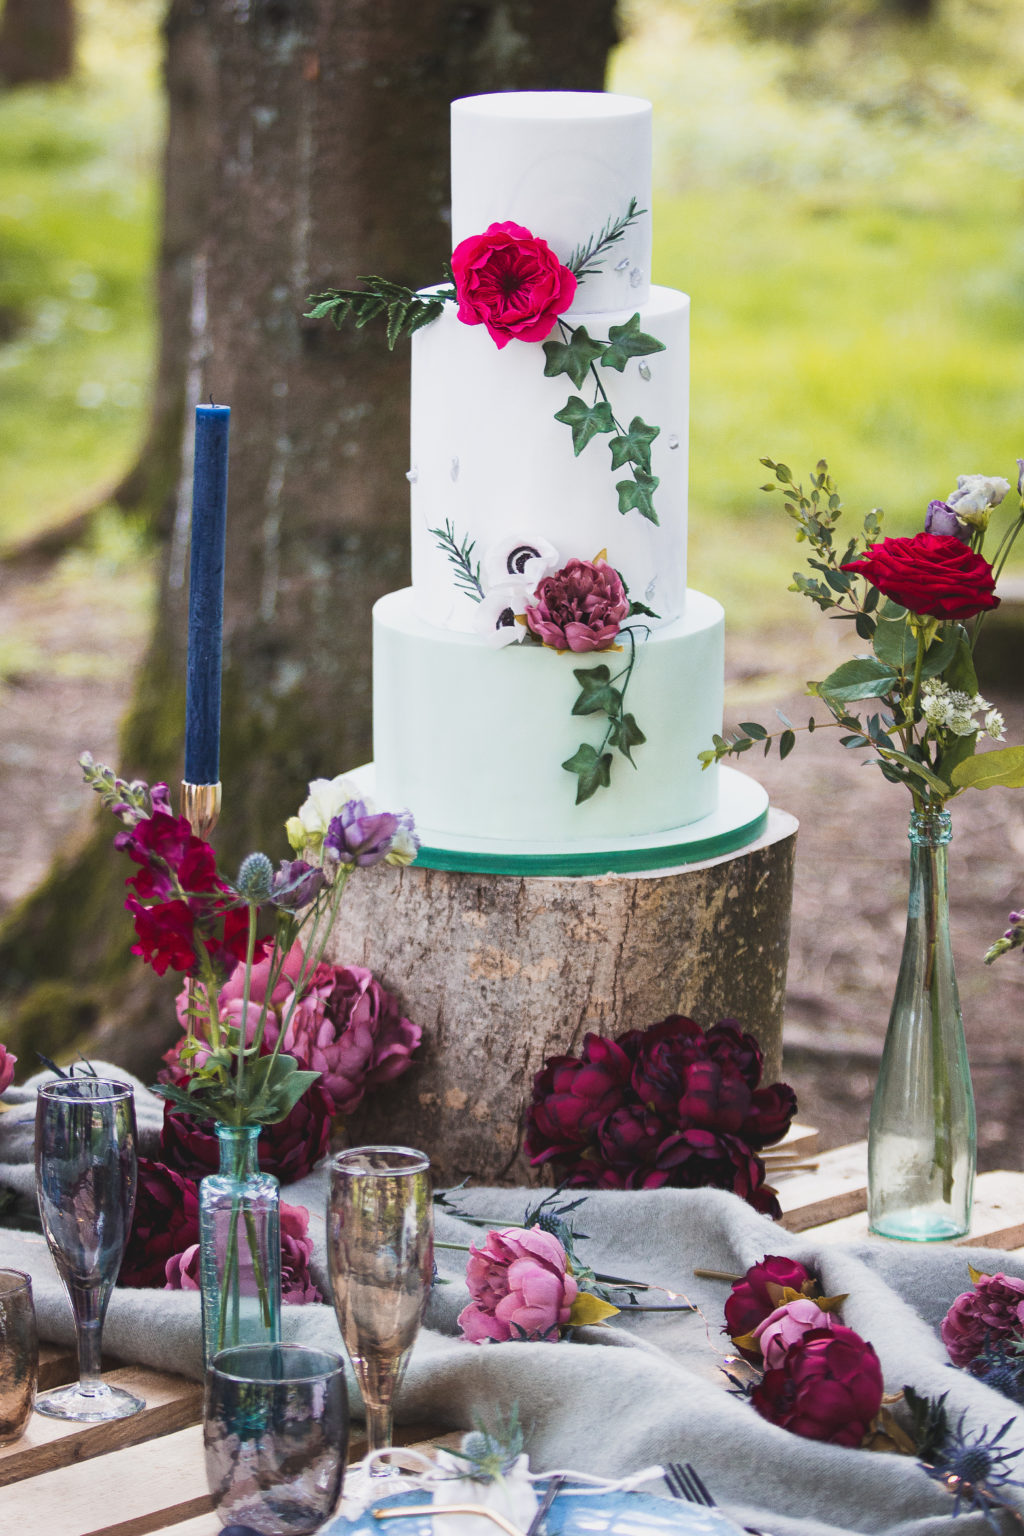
[[472, 739]]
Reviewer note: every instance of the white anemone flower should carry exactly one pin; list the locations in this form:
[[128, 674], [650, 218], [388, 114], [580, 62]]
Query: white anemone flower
[[495, 616], [994, 725], [519, 557]]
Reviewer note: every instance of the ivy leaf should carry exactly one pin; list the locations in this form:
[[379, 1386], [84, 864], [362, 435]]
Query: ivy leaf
[[862, 678], [586, 421], [638, 494], [592, 772], [598, 696], [626, 733], [573, 357], [986, 769], [634, 446], [626, 341], [641, 610]]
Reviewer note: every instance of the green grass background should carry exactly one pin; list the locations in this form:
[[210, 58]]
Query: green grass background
[[844, 211]]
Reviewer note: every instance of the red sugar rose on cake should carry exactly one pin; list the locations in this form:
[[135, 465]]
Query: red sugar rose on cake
[[510, 281]]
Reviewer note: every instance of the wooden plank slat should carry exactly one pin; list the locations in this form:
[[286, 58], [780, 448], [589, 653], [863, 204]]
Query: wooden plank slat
[[58, 1364], [800, 1140], [171, 1403], [838, 1188], [997, 1220]]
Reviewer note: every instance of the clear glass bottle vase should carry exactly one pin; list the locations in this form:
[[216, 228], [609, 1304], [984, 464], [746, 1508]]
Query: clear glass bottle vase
[[922, 1143], [239, 1247]]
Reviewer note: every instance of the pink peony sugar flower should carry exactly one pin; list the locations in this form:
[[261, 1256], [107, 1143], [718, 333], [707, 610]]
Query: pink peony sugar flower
[[520, 1286], [993, 1311], [786, 1325], [7, 1061], [579, 608]]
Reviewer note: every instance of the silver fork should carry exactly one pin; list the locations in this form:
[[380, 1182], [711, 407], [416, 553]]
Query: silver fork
[[685, 1482]]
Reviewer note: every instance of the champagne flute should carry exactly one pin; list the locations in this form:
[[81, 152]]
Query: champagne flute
[[380, 1245], [85, 1180]]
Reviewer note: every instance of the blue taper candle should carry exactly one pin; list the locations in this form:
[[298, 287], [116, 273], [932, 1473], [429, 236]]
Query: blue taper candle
[[206, 595]]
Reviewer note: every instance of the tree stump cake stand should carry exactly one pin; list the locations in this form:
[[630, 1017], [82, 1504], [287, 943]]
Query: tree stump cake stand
[[505, 970]]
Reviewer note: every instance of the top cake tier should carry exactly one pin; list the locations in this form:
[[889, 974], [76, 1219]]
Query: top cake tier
[[561, 163]]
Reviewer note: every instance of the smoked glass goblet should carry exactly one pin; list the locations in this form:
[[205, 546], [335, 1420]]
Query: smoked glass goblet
[[380, 1246], [85, 1181], [19, 1354]]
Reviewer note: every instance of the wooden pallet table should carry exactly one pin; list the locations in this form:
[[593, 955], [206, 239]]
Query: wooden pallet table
[[146, 1474]]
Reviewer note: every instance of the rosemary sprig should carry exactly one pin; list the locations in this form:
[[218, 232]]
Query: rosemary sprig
[[406, 310], [582, 255], [467, 574]]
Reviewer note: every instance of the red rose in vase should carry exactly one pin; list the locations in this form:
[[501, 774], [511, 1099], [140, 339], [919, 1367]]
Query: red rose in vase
[[931, 574], [511, 282]]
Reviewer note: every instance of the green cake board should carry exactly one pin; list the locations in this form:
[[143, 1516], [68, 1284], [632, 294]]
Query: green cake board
[[741, 818]]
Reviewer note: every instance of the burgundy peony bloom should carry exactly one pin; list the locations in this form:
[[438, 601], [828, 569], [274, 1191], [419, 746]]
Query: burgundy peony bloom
[[352, 1031], [520, 1286], [668, 1105], [828, 1387], [7, 1061], [757, 1295], [166, 1222], [579, 608], [993, 1311], [511, 282], [932, 574]]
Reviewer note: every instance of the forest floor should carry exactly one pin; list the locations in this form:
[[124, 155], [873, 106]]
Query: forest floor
[[851, 872]]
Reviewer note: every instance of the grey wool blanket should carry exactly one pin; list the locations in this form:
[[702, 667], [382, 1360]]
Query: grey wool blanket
[[647, 1388]]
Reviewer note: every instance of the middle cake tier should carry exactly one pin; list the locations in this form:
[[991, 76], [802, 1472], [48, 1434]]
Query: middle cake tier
[[492, 468], [473, 740]]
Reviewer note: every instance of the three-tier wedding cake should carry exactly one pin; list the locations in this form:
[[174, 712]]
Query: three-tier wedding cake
[[542, 690]]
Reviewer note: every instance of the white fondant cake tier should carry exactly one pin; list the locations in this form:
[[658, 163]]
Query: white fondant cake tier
[[471, 739], [490, 460], [562, 164]]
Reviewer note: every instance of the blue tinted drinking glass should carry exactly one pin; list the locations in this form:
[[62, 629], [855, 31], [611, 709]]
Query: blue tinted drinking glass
[[85, 1181]]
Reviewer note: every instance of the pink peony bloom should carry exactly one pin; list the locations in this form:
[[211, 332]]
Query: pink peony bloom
[[786, 1325], [579, 608], [994, 1310], [297, 1288], [520, 1287], [7, 1061], [351, 1030], [828, 1387]]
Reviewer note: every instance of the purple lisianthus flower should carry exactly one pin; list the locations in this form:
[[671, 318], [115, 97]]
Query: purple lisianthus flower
[[940, 518], [357, 836], [296, 883]]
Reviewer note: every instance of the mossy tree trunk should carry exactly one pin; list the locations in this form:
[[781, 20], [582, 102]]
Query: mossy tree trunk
[[308, 144], [37, 41]]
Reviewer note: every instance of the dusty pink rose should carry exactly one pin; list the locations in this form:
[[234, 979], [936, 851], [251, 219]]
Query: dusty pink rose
[[511, 282], [994, 1310], [828, 1387], [351, 1030], [782, 1328], [7, 1060], [579, 608], [297, 1288], [520, 1287]]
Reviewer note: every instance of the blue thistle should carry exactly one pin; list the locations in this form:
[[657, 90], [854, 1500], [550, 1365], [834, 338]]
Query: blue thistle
[[255, 878], [1001, 1366], [972, 1466]]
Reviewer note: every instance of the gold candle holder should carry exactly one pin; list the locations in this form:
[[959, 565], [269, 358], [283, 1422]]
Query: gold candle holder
[[200, 803]]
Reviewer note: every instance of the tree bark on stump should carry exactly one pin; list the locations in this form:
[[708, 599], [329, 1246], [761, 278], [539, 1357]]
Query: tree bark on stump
[[308, 144], [503, 972]]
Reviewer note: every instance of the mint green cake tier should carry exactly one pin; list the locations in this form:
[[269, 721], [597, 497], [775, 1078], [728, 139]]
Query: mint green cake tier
[[471, 739]]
